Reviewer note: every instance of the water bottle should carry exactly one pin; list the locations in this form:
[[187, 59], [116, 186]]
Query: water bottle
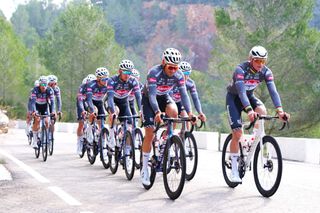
[[157, 148]]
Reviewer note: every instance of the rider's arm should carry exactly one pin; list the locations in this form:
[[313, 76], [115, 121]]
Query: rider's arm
[[137, 93], [58, 96], [183, 91], [195, 97], [80, 98], [110, 95], [50, 94], [273, 90], [242, 93], [89, 98], [33, 100], [152, 92]]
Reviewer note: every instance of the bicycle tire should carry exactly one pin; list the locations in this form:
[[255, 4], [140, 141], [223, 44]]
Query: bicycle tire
[[191, 151], [51, 142], [270, 165], [174, 163], [30, 137], [103, 148], [128, 158], [84, 148], [226, 162], [44, 143], [138, 139], [37, 150]]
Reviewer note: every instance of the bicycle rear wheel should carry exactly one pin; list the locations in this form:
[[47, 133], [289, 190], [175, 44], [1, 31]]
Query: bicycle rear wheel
[[44, 143], [267, 167], [226, 162], [103, 148], [84, 147], [138, 139], [37, 150], [30, 137], [191, 151], [51, 141], [174, 167]]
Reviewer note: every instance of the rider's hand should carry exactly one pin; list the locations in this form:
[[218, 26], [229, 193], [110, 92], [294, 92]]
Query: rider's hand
[[83, 114], [111, 116], [252, 115], [53, 114], [192, 117], [92, 116], [202, 117], [157, 118], [284, 116]]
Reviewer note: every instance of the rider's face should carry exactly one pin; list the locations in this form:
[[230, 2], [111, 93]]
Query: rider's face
[[171, 69], [258, 63]]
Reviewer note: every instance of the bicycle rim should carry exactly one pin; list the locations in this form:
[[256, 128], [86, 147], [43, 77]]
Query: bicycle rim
[[191, 151], [51, 143], [44, 144], [267, 167], [174, 167], [103, 148], [128, 156], [138, 139]]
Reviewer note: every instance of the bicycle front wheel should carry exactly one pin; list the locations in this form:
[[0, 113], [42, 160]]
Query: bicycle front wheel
[[191, 151], [44, 143], [103, 148], [138, 139], [128, 156], [174, 167], [267, 167]]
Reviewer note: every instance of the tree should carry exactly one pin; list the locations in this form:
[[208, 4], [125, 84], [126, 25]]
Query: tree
[[282, 27], [12, 68], [79, 42]]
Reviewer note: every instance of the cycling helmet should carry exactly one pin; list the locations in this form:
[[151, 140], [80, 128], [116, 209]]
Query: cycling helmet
[[258, 52], [52, 79], [102, 72], [91, 77], [36, 83], [135, 73], [126, 65], [43, 80], [185, 67], [171, 56]]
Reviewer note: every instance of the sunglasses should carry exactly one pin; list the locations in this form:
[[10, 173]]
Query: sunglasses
[[259, 60], [43, 84], [187, 73], [126, 72], [173, 68], [104, 79]]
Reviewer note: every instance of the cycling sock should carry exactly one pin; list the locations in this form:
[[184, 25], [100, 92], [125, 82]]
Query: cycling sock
[[234, 162], [145, 160]]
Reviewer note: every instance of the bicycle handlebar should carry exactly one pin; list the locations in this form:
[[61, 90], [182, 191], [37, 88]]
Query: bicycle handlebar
[[267, 117], [173, 120]]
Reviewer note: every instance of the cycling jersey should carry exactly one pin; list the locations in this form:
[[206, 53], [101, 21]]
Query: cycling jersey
[[131, 100], [41, 99], [95, 93], [81, 97], [120, 90], [29, 101], [160, 84], [191, 87], [245, 80]]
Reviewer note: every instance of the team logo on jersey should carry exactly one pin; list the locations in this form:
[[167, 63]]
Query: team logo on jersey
[[164, 88], [270, 77], [121, 91], [240, 76], [152, 80]]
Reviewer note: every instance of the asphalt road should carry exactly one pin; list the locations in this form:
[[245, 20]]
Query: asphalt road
[[66, 183]]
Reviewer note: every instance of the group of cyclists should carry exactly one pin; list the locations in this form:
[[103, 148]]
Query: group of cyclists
[[164, 92], [41, 101]]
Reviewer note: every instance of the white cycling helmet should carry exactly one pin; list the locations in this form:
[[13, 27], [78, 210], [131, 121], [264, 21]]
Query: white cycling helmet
[[43, 79], [258, 52], [89, 78], [135, 73], [185, 67], [126, 65], [52, 79], [36, 83], [171, 56], [102, 72]]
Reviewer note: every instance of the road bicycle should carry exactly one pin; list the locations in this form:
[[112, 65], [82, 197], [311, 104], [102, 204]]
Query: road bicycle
[[51, 133], [267, 159], [169, 158], [137, 137], [124, 150], [42, 141], [191, 148]]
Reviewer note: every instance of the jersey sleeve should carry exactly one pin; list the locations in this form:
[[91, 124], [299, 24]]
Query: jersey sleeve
[[195, 97], [238, 78], [272, 89], [152, 91], [183, 92], [110, 95]]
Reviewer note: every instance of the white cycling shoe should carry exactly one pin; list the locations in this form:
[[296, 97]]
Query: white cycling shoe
[[235, 177]]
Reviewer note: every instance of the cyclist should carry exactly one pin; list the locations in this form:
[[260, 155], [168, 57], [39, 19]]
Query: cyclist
[[82, 108], [247, 76], [42, 97], [52, 83], [156, 99], [96, 90], [29, 111], [186, 69], [136, 75], [119, 88]]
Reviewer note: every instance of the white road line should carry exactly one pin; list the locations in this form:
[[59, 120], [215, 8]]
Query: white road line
[[25, 167], [4, 174], [64, 196]]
